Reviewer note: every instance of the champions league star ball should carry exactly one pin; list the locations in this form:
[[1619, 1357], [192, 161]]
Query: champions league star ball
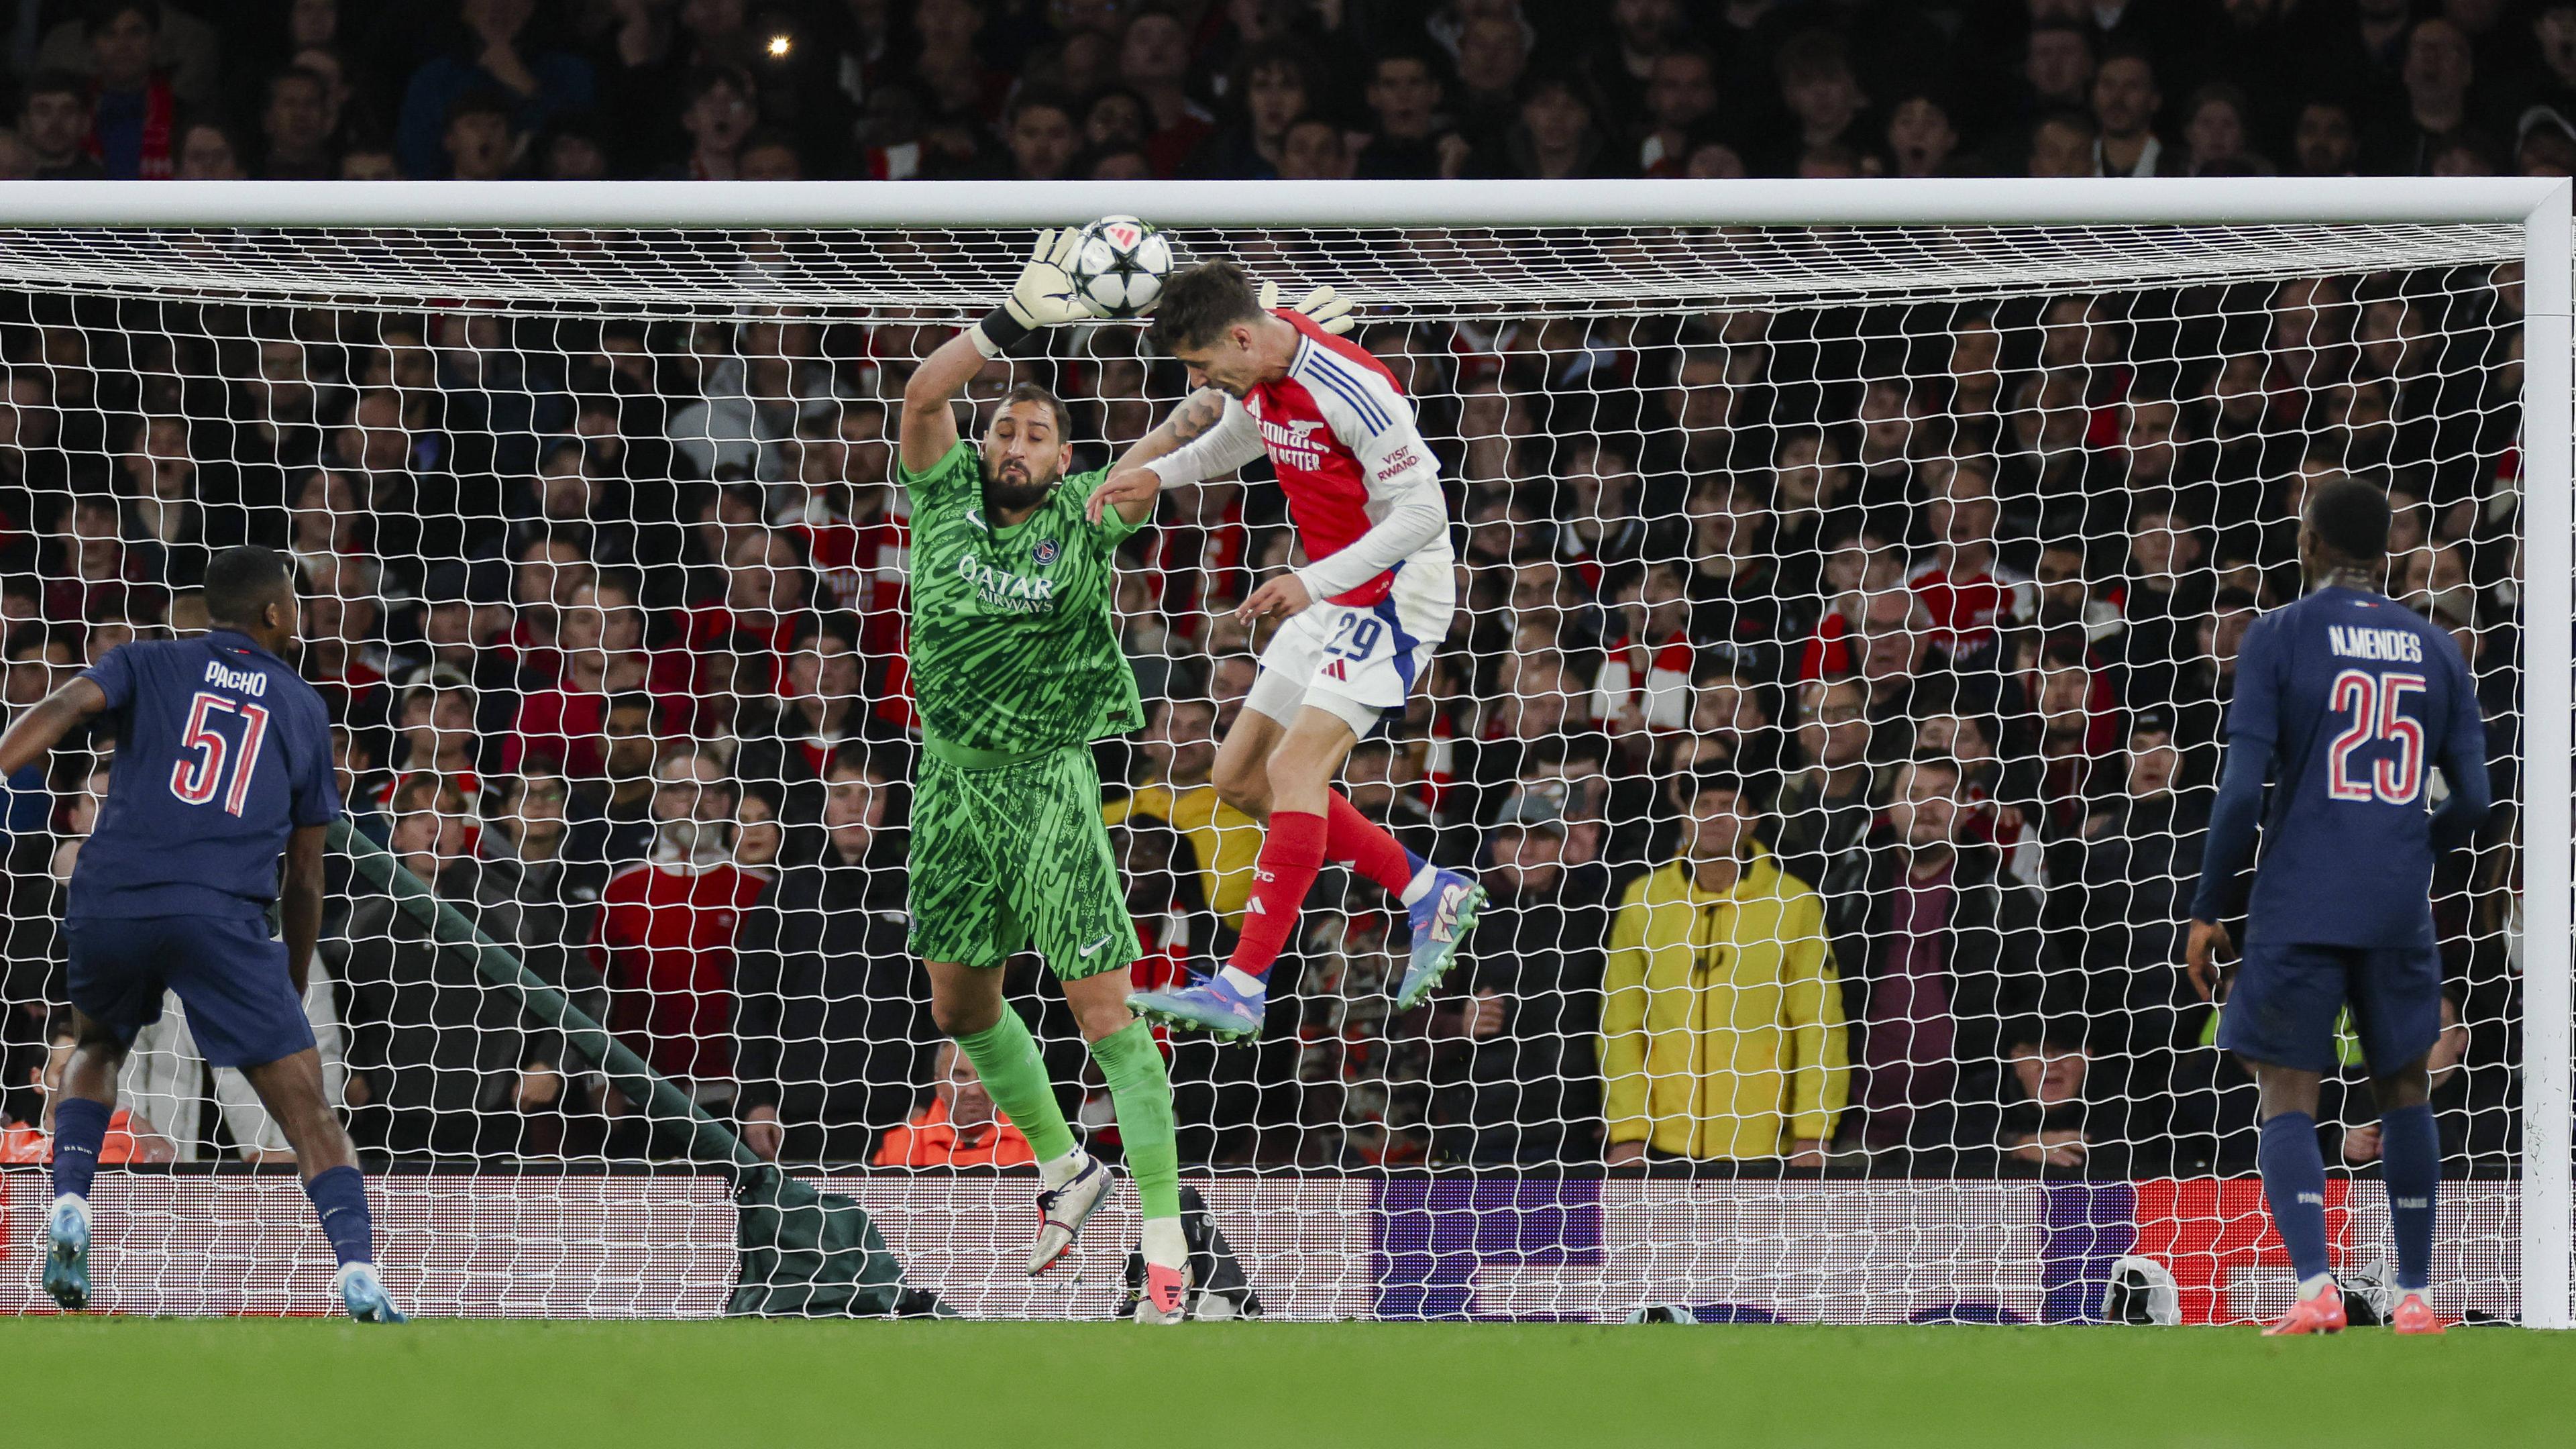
[[1119, 264]]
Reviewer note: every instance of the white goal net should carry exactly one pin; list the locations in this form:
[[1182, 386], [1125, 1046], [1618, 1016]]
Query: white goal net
[[1930, 544]]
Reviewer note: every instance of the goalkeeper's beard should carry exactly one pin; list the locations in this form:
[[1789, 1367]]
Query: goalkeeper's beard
[[1014, 485]]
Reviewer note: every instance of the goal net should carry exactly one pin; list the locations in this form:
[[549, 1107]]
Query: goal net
[[1847, 614]]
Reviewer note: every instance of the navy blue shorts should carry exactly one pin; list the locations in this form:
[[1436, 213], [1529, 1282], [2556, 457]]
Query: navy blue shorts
[[232, 978], [2283, 999]]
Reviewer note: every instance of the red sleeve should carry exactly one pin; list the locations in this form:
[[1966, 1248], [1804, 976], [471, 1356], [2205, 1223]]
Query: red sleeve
[[540, 717]]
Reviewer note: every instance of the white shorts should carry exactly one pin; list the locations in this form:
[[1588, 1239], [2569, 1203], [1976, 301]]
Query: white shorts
[[1357, 661]]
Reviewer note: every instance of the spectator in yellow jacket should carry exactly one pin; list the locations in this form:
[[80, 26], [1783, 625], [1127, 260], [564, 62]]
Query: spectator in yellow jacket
[[1722, 1035], [1180, 749]]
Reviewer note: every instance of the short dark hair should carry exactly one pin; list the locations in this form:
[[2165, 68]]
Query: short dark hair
[[2351, 517], [242, 580], [1267, 56], [1399, 54], [52, 82], [1040, 393], [1040, 99], [1202, 302], [480, 101], [705, 78]]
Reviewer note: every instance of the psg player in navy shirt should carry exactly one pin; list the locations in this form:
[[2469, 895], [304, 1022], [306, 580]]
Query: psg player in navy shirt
[[223, 766], [2344, 702]]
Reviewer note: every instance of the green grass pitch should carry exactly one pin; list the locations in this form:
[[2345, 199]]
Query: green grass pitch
[[270, 1383]]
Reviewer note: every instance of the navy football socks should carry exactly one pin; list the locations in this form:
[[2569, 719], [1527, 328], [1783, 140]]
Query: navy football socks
[[80, 1130], [2410, 1159], [340, 1196], [2294, 1185]]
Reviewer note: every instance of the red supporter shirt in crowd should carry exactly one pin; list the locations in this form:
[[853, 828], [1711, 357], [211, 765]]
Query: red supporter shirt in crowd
[[1657, 681], [1828, 652], [865, 568], [663, 939], [359, 681], [1965, 610], [562, 725]]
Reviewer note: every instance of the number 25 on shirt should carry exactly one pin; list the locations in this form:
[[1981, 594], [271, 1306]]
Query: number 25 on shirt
[[2375, 704]]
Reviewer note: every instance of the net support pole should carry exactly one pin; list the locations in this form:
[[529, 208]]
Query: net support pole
[[2549, 538], [668, 1108]]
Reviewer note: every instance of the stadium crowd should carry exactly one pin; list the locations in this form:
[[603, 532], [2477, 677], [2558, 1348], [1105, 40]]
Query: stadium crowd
[[1117, 90], [1834, 693]]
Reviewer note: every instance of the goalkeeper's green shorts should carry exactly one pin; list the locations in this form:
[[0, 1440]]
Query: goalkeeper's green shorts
[[1013, 857]]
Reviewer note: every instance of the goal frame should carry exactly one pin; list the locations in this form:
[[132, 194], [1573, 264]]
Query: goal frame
[[2540, 206]]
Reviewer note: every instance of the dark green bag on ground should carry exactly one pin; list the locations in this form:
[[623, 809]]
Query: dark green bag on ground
[[813, 1254]]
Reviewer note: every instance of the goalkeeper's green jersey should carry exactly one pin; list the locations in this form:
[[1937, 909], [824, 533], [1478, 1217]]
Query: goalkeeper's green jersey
[[1014, 648]]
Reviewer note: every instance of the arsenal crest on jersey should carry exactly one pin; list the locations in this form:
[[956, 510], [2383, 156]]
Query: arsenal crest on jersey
[[1044, 552]]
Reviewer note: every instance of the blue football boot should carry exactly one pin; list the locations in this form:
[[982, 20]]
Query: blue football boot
[[67, 1254], [363, 1294], [1209, 1004], [1441, 919]]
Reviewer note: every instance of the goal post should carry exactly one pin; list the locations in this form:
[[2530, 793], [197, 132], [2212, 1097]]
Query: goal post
[[1551, 326], [2549, 1204]]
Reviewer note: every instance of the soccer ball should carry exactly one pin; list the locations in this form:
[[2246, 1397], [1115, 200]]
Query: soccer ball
[[1119, 264]]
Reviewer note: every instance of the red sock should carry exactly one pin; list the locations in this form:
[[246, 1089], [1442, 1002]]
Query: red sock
[[1291, 852], [1370, 849]]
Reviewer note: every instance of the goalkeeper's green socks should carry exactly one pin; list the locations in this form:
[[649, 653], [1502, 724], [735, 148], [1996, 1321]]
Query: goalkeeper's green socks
[[1142, 1094], [1015, 1077], [1006, 1057]]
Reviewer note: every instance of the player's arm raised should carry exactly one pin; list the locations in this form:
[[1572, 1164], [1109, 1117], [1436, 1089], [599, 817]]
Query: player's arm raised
[[1042, 297], [1207, 436], [42, 725], [1131, 486]]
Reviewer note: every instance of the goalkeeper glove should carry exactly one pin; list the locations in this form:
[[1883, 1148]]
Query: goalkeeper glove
[[1323, 306], [1042, 297]]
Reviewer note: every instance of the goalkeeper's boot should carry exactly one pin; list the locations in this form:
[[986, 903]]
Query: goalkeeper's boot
[[1062, 1212], [1166, 1291], [67, 1253], [363, 1294], [2414, 1315], [1441, 919], [2320, 1314], [1210, 1004]]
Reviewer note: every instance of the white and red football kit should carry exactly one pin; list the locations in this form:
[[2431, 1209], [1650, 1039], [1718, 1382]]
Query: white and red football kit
[[1965, 612], [1364, 492], [1656, 680], [663, 939], [864, 567]]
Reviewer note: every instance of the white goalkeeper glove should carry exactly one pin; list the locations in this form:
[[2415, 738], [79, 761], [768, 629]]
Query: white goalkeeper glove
[[1323, 306], [1042, 297]]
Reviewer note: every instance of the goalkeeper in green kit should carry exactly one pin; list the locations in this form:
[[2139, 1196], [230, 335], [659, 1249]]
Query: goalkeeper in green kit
[[1016, 669]]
